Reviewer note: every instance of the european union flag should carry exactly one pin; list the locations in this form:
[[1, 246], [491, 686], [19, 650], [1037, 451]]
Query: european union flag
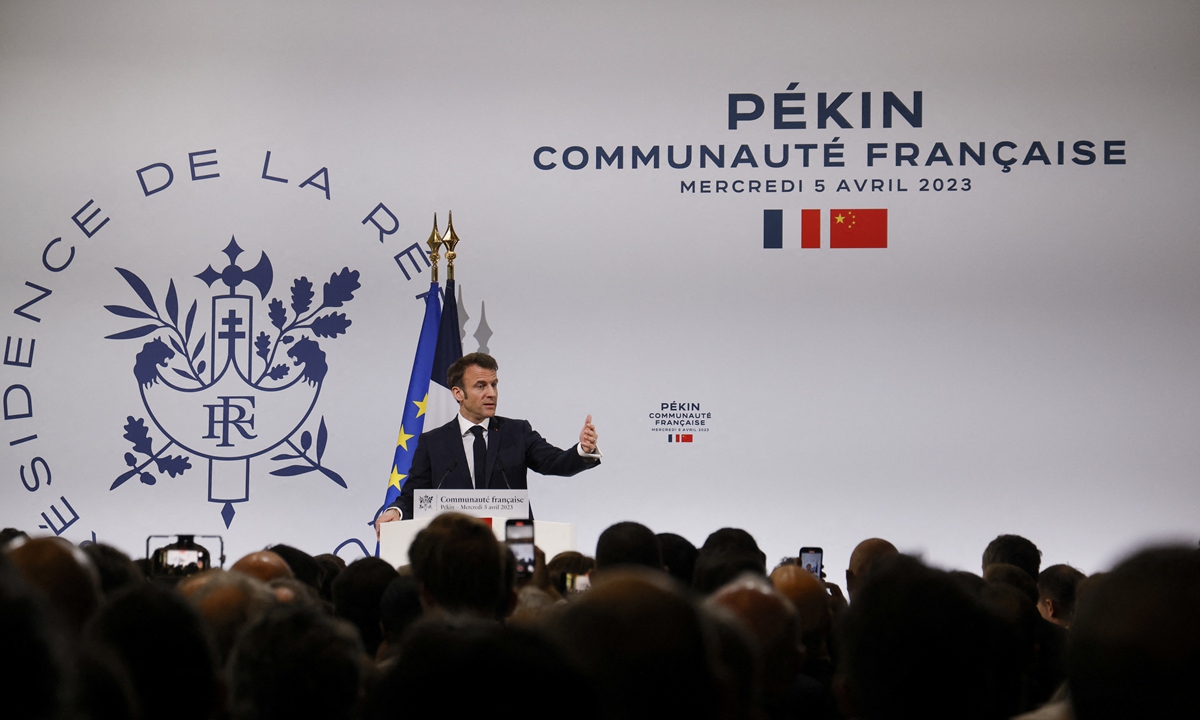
[[439, 345]]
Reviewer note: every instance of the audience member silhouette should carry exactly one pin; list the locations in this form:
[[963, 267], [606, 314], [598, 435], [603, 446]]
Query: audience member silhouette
[[163, 643], [1045, 642], [64, 574], [740, 662], [567, 563], [263, 565], [297, 662], [1056, 587], [1014, 550], [914, 644], [117, 571], [356, 595], [1014, 577], [228, 601], [9, 534], [32, 681], [679, 556], [628, 543], [775, 626], [1134, 647], [459, 666], [810, 598], [862, 558], [644, 647], [399, 608], [462, 568], [304, 567], [331, 566], [726, 554]]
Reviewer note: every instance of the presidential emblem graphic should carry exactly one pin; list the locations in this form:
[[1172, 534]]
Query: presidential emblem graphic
[[225, 397]]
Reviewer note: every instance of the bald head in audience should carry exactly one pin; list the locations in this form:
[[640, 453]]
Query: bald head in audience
[[64, 573], [228, 601], [774, 623], [865, 553], [263, 565], [810, 598]]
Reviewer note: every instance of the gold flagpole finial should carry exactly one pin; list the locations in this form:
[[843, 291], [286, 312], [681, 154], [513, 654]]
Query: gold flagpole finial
[[434, 242], [450, 239]]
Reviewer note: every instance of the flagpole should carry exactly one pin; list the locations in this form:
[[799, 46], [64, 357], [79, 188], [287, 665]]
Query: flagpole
[[434, 242], [450, 239]]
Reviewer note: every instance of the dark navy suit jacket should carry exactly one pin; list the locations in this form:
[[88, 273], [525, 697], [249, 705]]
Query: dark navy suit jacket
[[513, 447]]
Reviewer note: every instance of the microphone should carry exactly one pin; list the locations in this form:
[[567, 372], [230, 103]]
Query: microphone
[[453, 466], [504, 477]]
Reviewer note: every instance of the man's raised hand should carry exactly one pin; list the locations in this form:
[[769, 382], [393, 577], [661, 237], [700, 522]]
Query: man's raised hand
[[588, 437]]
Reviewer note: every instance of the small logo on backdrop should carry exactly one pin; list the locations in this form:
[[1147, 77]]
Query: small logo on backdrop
[[242, 398], [681, 421], [847, 228]]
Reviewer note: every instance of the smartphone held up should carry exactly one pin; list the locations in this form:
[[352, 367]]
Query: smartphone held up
[[518, 535], [812, 560]]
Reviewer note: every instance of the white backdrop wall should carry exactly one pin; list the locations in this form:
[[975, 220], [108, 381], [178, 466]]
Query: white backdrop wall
[[1022, 357]]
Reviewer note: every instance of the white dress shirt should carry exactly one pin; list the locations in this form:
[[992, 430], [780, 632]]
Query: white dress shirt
[[468, 441]]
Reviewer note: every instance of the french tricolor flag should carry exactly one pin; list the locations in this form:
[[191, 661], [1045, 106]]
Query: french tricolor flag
[[847, 228], [677, 437]]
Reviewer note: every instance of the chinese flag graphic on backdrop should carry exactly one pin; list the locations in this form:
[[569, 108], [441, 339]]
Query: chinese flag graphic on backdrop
[[858, 228]]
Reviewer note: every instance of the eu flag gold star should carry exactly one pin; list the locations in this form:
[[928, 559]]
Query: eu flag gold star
[[402, 441], [397, 478], [421, 405]]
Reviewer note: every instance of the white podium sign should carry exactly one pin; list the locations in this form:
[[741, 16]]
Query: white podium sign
[[502, 504]]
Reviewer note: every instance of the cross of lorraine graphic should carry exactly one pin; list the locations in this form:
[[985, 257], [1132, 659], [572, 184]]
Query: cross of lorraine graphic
[[236, 406]]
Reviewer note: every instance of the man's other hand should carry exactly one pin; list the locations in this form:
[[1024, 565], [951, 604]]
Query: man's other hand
[[588, 436], [389, 515]]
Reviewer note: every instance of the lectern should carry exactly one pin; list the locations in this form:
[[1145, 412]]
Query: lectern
[[492, 506]]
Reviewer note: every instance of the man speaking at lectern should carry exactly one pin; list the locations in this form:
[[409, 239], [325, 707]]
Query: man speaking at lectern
[[477, 450]]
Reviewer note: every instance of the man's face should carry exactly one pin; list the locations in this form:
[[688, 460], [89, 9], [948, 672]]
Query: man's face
[[478, 401]]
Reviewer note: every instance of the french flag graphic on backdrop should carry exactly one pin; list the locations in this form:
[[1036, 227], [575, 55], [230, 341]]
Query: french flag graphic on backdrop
[[428, 399]]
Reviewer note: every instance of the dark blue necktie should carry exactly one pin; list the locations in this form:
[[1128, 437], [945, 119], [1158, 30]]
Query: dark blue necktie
[[480, 456]]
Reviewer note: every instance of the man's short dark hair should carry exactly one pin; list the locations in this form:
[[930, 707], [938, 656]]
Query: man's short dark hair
[[8, 534], [726, 554], [628, 543], [1058, 584], [458, 561], [116, 569], [568, 562], [454, 376], [331, 566], [296, 662], [304, 566], [679, 555], [1014, 550], [1134, 647], [356, 595]]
